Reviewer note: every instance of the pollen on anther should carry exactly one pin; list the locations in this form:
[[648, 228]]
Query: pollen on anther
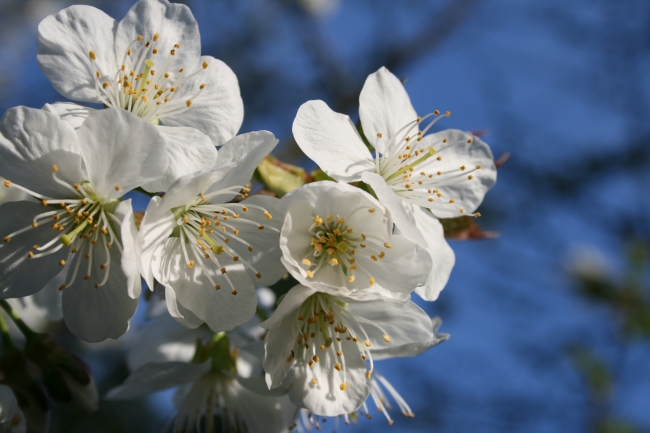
[[223, 270], [188, 103], [461, 210], [117, 187], [313, 381], [372, 210], [306, 262], [30, 255], [477, 214], [344, 386], [55, 168], [386, 338], [7, 183], [258, 275], [34, 224], [106, 84], [379, 135], [62, 286], [205, 65], [92, 55], [470, 177], [234, 292], [372, 281]]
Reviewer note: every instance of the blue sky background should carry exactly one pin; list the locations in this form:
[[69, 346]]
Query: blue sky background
[[559, 85]]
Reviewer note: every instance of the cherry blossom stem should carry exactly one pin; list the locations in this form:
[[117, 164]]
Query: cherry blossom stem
[[4, 331], [27, 332]]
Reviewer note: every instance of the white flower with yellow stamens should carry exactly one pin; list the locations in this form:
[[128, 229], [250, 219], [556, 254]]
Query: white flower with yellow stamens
[[150, 64], [209, 253], [78, 217], [446, 173], [338, 239], [320, 347]]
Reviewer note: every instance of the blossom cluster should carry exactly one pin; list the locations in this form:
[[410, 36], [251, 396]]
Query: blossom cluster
[[358, 244]]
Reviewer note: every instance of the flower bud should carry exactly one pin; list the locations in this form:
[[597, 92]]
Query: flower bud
[[65, 376], [279, 177]]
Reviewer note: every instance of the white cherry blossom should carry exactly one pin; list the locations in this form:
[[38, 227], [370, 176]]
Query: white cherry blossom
[[150, 64], [77, 217], [213, 383], [209, 253], [337, 238], [320, 347], [446, 173]]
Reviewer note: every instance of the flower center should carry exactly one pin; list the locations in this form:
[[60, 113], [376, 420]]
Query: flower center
[[325, 321], [208, 231], [80, 222], [334, 243], [147, 90], [414, 172]]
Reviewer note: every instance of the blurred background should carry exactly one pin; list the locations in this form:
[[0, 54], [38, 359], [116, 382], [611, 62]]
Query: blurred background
[[549, 320]]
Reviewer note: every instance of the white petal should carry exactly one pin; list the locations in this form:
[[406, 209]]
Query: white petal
[[388, 198], [174, 24], [326, 397], [73, 114], [384, 107], [278, 344], [157, 376], [8, 404], [468, 194], [290, 302], [95, 314], [403, 322], [155, 228], [404, 267], [164, 340], [266, 253], [218, 110], [264, 414], [412, 348], [190, 150], [20, 275], [245, 152], [220, 309], [181, 315], [43, 307], [65, 41], [121, 151], [442, 255], [31, 141], [331, 140], [130, 259]]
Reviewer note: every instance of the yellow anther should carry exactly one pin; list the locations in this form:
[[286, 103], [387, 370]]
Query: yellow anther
[[205, 65], [367, 343], [188, 103], [439, 158], [290, 358], [477, 214], [379, 135], [436, 112], [140, 37], [306, 262], [478, 167], [310, 274], [470, 177], [156, 36], [250, 248], [344, 386], [430, 200], [172, 52], [313, 381], [87, 277], [117, 187], [103, 266], [452, 201], [191, 264], [439, 173], [337, 366], [223, 270], [351, 278], [92, 55], [202, 86], [371, 210], [372, 281], [448, 113], [386, 338], [462, 168], [461, 210], [469, 141], [234, 292], [334, 262], [339, 353], [268, 215], [62, 286], [316, 358], [368, 374], [217, 287], [30, 255]]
